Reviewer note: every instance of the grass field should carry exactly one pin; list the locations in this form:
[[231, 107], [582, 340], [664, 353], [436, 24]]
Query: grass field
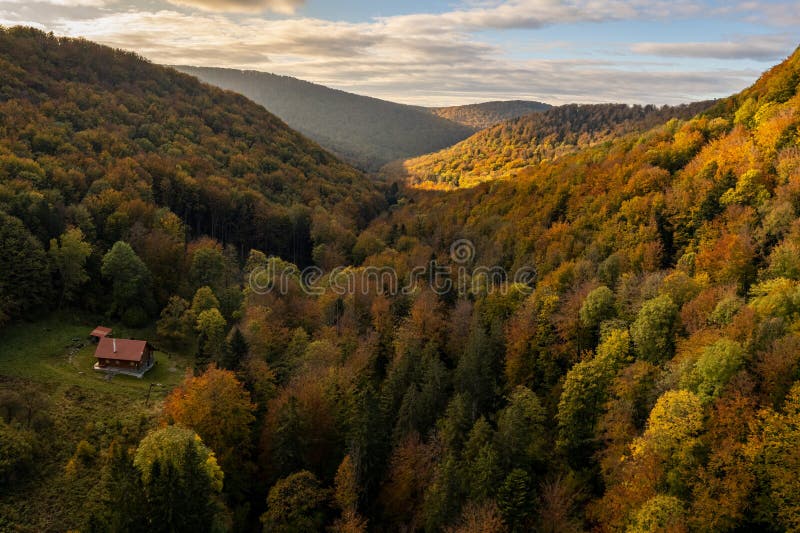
[[57, 350], [53, 358]]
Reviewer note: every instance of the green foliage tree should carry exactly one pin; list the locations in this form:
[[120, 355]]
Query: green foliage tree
[[521, 430], [129, 277], [444, 495], [203, 300], [584, 395], [207, 268], [661, 513], [175, 325], [772, 452], [211, 327], [125, 505], [295, 504], [24, 280], [69, 254], [454, 426], [716, 366], [652, 331], [181, 480], [475, 375], [482, 462], [597, 307]]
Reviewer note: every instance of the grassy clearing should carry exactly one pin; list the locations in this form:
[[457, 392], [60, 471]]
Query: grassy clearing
[[56, 350], [53, 358]]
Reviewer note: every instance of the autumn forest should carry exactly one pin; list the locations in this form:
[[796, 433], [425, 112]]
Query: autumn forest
[[644, 375]]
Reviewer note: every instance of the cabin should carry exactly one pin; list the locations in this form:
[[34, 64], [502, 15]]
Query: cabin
[[124, 356], [99, 332]]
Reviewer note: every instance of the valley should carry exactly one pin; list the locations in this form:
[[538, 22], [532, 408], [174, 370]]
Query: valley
[[595, 326]]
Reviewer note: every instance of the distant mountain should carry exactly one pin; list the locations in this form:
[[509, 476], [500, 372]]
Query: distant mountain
[[515, 145], [366, 131], [487, 114]]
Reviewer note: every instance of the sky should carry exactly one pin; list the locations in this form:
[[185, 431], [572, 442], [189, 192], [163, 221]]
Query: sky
[[452, 52]]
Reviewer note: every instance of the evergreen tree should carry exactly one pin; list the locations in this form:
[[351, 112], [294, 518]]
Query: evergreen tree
[[236, 350], [202, 356], [181, 481], [125, 501], [475, 375], [24, 278], [521, 430], [289, 444], [514, 498]]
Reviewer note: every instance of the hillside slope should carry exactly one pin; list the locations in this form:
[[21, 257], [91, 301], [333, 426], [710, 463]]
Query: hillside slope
[[486, 114], [507, 148], [660, 334], [366, 131], [91, 129]]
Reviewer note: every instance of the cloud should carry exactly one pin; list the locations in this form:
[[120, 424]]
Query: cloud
[[774, 13], [760, 48], [286, 7], [413, 65], [59, 3], [534, 14], [428, 59]]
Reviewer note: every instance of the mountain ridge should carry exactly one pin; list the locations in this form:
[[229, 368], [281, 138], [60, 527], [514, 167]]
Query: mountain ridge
[[513, 146], [484, 115], [365, 130]]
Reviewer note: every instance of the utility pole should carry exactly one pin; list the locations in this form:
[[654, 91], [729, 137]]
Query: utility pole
[[149, 390]]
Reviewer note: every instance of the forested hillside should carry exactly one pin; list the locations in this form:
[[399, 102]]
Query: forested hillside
[[649, 380], [106, 143], [365, 131], [617, 349], [486, 114], [511, 148]]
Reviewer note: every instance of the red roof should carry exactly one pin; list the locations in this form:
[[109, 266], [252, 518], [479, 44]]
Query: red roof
[[100, 332], [120, 349]]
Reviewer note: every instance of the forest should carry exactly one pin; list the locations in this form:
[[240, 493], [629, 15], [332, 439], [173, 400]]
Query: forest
[[487, 114], [647, 379], [515, 147], [367, 132]]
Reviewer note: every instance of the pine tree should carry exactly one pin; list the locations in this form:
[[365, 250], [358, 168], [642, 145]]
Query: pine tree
[[474, 375], [125, 503], [236, 350], [24, 277], [202, 357], [515, 500]]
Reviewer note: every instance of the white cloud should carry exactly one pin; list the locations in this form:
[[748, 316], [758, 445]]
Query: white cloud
[[286, 7], [59, 3], [376, 58], [759, 48], [779, 13], [435, 59]]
